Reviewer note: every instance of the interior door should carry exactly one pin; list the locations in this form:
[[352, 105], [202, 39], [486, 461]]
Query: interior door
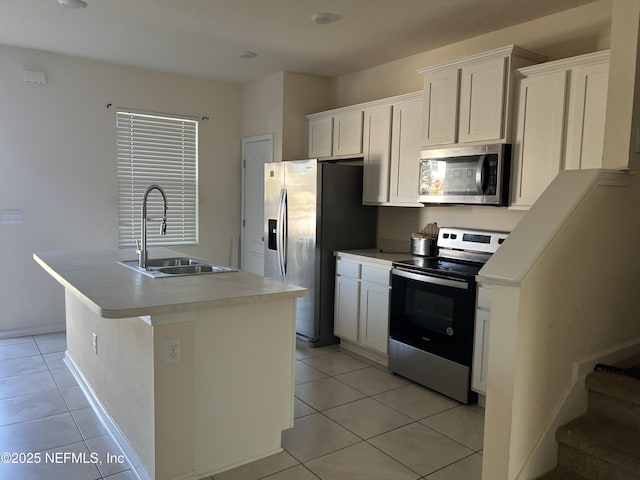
[[256, 151]]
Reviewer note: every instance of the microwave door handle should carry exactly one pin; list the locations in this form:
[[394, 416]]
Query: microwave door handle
[[480, 174]]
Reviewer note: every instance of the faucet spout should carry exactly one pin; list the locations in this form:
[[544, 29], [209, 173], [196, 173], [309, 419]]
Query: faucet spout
[[142, 246]]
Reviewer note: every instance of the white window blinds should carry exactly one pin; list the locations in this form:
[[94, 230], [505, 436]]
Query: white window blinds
[[160, 150]]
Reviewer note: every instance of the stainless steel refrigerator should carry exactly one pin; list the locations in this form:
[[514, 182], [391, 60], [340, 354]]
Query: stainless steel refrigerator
[[313, 208]]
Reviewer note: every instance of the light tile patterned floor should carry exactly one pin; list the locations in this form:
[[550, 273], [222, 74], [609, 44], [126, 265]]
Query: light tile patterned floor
[[45, 415], [355, 420]]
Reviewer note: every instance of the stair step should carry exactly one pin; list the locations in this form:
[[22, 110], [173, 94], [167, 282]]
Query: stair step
[[618, 386], [599, 448], [561, 474], [616, 397]]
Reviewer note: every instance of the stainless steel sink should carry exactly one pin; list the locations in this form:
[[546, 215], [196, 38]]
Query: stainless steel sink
[[175, 267]]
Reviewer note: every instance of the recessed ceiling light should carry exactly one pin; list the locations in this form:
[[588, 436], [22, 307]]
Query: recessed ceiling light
[[247, 54], [324, 18], [73, 3]]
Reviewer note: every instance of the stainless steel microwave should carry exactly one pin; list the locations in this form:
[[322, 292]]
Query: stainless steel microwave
[[466, 175]]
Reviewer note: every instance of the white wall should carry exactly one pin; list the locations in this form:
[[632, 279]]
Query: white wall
[[572, 32], [262, 112], [58, 165], [278, 103], [566, 286]]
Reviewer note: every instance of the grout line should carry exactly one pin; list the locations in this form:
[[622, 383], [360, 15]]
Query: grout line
[[450, 438]]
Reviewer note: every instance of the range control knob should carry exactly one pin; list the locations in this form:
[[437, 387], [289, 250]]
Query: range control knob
[[450, 331]]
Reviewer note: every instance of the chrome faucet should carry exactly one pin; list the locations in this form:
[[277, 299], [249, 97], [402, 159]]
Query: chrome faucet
[[142, 243]]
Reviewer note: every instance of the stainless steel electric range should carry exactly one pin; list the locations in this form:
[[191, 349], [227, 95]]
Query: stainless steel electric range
[[432, 313]]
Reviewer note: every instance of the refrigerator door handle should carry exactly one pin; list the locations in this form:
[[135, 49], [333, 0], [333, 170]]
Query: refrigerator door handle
[[282, 233]]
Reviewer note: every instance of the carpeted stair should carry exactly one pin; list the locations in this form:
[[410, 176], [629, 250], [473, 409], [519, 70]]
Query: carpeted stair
[[603, 444]]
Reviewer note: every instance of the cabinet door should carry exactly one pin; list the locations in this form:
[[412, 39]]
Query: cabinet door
[[482, 101], [377, 151], [481, 352], [440, 108], [538, 145], [347, 308], [320, 137], [586, 116], [405, 151], [374, 316], [347, 134]]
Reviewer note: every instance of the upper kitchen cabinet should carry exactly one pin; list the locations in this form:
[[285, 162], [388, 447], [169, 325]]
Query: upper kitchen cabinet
[[377, 154], [321, 137], [560, 114], [335, 134], [406, 143], [387, 134], [587, 111], [468, 100], [392, 145]]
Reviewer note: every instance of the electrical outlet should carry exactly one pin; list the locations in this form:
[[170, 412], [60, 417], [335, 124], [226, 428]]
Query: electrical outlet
[[95, 343], [172, 351]]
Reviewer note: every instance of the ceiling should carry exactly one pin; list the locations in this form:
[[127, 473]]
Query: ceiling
[[204, 37]]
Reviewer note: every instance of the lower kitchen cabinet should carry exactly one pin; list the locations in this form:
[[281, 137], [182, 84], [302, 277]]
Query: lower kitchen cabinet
[[347, 300], [481, 341], [362, 304]]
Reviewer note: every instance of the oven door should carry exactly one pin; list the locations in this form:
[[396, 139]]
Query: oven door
[[434, 314]]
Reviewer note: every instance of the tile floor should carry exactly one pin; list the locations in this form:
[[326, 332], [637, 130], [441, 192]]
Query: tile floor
[[44, 414], [354, 420]]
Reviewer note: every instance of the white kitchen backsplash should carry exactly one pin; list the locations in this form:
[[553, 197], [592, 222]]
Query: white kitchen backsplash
[[396, 223]]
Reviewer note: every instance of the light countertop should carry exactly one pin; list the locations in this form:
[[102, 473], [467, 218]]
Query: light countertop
[[114, 291], [373, 255]]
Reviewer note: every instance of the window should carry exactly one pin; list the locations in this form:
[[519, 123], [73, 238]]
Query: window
[[160, 150]]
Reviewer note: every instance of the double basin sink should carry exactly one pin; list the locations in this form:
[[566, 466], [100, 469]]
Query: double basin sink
[[175, 267]]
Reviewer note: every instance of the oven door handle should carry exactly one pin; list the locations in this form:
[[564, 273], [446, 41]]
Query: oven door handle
[[429, 279]]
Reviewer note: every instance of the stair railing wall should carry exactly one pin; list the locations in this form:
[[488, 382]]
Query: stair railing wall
[[564, 288]]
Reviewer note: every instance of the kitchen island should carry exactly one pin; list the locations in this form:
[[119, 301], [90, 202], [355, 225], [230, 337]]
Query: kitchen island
[[193, 374]]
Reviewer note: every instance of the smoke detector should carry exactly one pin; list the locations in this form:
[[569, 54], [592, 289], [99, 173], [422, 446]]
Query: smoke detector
[[324, 18], [72, 3]]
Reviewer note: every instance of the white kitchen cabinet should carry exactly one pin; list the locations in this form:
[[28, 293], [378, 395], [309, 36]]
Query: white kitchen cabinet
[[347, 300], [347, 133], [468, 100], [587, 112], [335, 134], [482, 101], [377, 154], [362, 303], [538, 145], [392, 144], [481, 341], [321, 137], [440, 107], [560, 113], [405, 151], [374, 307]]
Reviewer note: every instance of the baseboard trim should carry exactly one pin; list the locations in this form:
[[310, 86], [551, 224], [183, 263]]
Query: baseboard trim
[[365, 352], [138, 470], [226, 468], [25, 332], [544, 455]]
